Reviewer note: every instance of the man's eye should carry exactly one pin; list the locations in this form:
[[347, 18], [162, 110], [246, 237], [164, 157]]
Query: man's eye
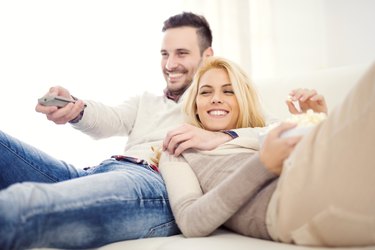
[[182, 53]]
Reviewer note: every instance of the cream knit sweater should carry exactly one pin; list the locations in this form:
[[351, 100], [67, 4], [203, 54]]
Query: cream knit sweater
[[143, 121]]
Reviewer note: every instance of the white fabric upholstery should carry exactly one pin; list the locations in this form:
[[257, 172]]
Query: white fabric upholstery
[[334, 84], [222, 239]]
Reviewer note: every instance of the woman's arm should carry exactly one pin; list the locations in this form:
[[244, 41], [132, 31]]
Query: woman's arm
[[199, 215]]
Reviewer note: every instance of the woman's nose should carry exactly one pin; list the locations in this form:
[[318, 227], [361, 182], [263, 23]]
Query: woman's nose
[[216, 99]]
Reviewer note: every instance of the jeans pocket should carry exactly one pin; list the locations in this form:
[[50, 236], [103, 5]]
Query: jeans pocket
[[162, 230], [336, 227]]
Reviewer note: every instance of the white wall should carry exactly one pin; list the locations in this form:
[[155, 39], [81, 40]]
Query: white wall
[[311, 35], [351, 31], [278, 38]]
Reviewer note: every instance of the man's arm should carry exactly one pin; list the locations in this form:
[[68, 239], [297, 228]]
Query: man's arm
[[98, 120], [64, 114], [188, 136]]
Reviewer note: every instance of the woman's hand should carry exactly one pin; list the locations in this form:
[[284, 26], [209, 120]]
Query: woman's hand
[[307, 99], [276, 149]]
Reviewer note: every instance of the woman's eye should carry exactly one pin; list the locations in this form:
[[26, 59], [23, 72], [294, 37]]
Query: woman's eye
[[229, 92], [204, 92]]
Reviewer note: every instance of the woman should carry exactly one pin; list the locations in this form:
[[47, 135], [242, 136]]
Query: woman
[[221, 98], [237, 187]]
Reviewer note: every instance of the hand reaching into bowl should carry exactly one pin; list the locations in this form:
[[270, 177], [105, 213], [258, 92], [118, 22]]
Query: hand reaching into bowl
[[307, 99]]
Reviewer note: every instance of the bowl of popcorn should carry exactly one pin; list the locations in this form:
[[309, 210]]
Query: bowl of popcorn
[[305, 122]]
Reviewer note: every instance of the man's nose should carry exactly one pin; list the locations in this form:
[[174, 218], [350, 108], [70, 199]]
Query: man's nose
[[171, 64]]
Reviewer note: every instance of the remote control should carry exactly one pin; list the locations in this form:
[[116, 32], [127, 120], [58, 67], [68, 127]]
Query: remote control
[[58, 101]]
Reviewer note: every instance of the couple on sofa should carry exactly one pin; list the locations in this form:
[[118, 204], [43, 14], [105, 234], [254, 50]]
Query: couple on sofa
[[291, 189]]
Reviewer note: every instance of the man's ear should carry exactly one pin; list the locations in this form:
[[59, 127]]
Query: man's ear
[[208, 52]]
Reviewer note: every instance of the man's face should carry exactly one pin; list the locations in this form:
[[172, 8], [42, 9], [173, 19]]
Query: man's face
[[180, 57]]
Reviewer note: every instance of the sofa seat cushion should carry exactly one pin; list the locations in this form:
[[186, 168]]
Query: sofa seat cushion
[[221, 239]]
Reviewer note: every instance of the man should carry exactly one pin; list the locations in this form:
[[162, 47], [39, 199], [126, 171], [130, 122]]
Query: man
[[46, 202]]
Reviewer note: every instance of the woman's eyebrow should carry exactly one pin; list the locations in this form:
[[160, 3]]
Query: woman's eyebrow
[[226, 85], [205, 86], [210, 86]]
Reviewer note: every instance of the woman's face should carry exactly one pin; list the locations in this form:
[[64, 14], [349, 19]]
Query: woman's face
[[217, 105]]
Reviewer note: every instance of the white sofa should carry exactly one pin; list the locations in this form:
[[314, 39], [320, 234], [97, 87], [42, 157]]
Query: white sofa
[[333, 84], [220, 240]]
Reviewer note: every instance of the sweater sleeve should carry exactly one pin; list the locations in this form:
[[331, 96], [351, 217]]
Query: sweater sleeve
[[199, 215], [102, 121]]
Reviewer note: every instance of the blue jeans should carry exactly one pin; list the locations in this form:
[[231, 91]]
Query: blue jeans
[[46, 202]]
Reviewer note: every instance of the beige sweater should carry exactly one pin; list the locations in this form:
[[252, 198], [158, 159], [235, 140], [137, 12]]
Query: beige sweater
[[227, 186]]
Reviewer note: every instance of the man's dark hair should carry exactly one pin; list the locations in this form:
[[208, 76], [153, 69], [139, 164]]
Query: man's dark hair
[[192, 20]]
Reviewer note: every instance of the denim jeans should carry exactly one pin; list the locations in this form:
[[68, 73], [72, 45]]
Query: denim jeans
[[46, 202]]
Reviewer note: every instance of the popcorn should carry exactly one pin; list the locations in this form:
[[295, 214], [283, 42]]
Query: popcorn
[[309, 118], [305, 122]]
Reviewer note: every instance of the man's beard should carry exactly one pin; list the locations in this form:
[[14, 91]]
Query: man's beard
[[175, 94], [180, 90]]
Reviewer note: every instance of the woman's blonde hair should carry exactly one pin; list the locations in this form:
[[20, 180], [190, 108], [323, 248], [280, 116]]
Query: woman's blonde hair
[[247, 98]]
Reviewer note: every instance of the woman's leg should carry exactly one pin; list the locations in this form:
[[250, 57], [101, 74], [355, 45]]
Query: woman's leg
[[21, 162], [129, 202], [326, 193]]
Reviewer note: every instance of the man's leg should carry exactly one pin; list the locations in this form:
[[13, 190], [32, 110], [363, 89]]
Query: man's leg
[[21, 162], [326, 195], [129, 202]]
